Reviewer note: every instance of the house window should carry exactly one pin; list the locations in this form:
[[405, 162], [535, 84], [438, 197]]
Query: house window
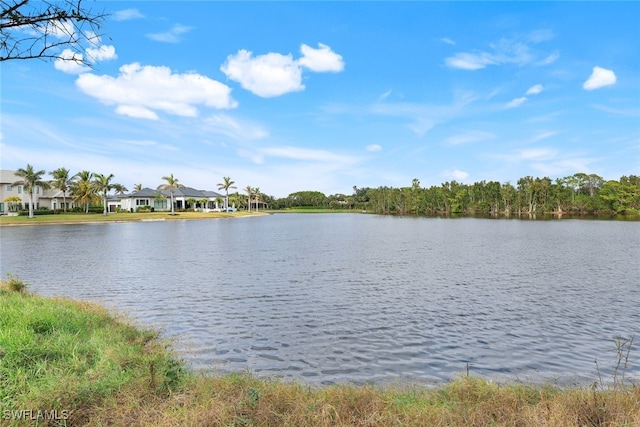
[[37, 190], [142, 202], [9, 188], [19, 189], [160, 204]]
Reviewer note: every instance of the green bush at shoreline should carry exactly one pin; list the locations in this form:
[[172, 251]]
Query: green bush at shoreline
[[65, 362]]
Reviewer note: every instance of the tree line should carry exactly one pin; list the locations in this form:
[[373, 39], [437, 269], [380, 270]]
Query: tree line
[[579, 193]]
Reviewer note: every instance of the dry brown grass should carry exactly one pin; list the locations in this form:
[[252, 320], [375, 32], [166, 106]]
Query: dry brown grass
[[243, 400]]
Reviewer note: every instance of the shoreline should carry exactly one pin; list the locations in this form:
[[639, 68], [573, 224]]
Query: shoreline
[[72, 362], [81, 218], [71, 219]]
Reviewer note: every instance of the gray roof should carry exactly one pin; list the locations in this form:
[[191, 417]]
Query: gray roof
[[145, 192], [211, 194], [192, 192], [8, 177]]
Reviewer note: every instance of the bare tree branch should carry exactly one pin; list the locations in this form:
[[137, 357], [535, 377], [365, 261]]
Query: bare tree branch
[[43, 29]]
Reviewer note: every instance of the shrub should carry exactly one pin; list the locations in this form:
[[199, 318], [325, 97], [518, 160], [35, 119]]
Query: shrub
[[14, 284], [39, 211]]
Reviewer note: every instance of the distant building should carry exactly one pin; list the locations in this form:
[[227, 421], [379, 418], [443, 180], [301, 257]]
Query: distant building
[[51, 199], [160, 200], [147, 197]]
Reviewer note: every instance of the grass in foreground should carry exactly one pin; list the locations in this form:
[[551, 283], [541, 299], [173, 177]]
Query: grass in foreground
[[94, 368]]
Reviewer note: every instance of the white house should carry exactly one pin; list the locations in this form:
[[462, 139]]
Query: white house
[[52, 198], [160, 200]]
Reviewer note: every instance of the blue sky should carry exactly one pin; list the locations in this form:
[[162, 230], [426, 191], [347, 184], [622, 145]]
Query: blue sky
[[291, 96]]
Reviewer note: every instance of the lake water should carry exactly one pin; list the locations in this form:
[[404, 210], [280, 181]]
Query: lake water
[[358, 298]]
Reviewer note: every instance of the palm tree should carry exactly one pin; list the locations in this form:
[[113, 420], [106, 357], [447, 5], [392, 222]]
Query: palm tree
[[102, 184], [120, 189], [233, 199], [137, 187], [203, 203], [248, 189], [30, 180], [226, 185], [172, 184], [61, 181], [257, 196], [191, 201], [82, 189]]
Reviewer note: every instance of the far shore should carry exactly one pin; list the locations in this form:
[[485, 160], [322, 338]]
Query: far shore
[[114, 217], [91, 218]]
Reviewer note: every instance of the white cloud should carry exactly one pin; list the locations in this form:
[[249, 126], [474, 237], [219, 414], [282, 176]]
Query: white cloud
[[136, 111], [61, 29], [423, 117], [563, 166], [543, 135], [267, 75], [456, 174], [102, 53], [70, 62], [469, 61], [516, 102], [321, 60], [538, 154], [275, 74], [385, 95], [549, 59], [447, 41], [374, 147], [538, 36], [600, 77], [171, 36], [516, 50], [469, 137], [307, 154], [630, 112], [139, 91], [127, 14], [534, 90], [234, 128]]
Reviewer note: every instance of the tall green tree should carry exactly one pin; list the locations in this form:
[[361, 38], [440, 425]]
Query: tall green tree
[[30, 180], [256, 196], [171, 185], [83, 189], [103, 184], [120, 189], [225, 185], [61, 181], [249, 191], [137, 187]]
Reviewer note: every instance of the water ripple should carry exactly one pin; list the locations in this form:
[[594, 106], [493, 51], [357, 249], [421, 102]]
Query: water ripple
[[359, 298]]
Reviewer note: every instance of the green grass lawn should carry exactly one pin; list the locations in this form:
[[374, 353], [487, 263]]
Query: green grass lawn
[[121, 216], [65, 362]]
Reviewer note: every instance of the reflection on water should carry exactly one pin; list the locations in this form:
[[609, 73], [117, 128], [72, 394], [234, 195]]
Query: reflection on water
[[351, 297]]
